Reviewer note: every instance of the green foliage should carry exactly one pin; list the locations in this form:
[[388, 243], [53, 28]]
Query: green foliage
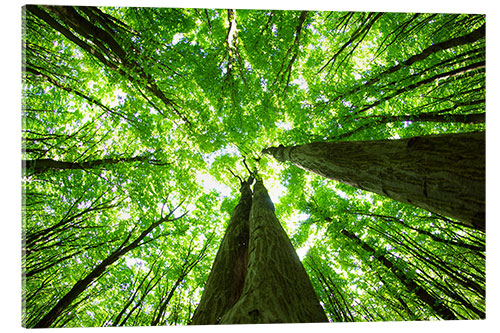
[[168, 85]]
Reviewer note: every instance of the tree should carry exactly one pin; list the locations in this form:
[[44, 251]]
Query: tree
[[130, 112], [227, 276], [444, 174], [99, 269], [340, 308], [386, 241], [428, 299], [277, 288], [257, 277], [42, 165]]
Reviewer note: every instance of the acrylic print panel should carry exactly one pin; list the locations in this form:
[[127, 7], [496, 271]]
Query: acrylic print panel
[[164, 183]]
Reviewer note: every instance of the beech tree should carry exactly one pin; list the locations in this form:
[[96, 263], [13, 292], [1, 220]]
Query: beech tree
[[227, 276], [430, 300], [130, 114], [42, 165], [257, 277], [277, 288], [444, 174], [99, 269]]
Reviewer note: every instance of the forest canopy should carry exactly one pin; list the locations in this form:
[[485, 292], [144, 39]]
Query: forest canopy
[[140, 125]]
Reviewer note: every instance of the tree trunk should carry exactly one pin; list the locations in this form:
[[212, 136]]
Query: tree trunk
[[102, 43], [277, 288], [444, 174], [82, 284], [340, 309], [226, 279], [436, 117], [45, 164], [440, 309]]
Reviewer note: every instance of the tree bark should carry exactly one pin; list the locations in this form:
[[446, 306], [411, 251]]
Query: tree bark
[[226, 279], [277, 288], [45, 164], [444, 174]]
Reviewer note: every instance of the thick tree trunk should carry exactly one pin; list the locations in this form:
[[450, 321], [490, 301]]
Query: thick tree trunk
[[226, 279], [277, 288], [444, 174]]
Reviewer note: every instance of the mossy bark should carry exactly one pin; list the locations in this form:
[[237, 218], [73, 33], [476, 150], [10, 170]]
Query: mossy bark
[[444, 174]]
